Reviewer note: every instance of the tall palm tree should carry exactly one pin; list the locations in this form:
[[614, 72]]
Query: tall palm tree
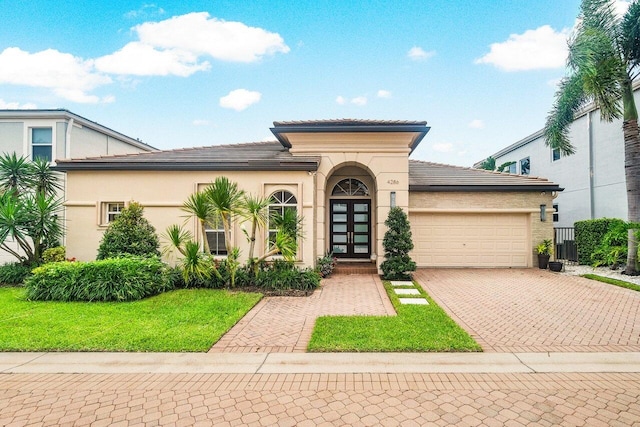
[[604, 54], [226, 201]]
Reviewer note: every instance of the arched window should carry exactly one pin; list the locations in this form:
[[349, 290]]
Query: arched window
[[350, 187], [282, 202]]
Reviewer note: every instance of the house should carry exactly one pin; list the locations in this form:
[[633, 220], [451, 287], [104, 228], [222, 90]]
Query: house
[[59, 134], [593, 177], [342, 176]]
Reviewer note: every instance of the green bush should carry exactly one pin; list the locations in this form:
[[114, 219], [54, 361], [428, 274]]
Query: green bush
[[284, 275], [397, 243], [14, 273], [326, 264], [114, 279], [56, 254], [590, 234], [130, 233], [612, 251]]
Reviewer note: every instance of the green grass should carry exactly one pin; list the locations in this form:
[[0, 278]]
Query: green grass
[[611, 281], [415, 328], [182, 320]]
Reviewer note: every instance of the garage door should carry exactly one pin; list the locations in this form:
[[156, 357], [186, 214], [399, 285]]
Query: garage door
[[470, 240]]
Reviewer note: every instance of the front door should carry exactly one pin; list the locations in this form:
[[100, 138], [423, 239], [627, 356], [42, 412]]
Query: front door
[[350, 232]]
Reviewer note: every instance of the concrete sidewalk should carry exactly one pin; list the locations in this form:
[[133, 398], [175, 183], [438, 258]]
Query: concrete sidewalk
[[295, 363]]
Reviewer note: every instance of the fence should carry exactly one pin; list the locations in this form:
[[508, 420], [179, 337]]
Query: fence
[[565, 244]]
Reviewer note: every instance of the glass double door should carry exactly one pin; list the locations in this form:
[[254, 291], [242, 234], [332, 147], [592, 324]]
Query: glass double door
[[350, 232]]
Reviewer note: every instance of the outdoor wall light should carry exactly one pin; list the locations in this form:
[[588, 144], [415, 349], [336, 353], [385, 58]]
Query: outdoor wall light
[[543, 213], [392, 200]]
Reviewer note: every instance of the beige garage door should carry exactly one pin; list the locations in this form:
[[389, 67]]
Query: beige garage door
[[470, 240]]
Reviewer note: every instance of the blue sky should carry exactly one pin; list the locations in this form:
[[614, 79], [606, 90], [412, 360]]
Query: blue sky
[[195, 73]]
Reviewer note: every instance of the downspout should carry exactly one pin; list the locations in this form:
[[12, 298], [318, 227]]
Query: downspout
[[67, 139], [592, 205]]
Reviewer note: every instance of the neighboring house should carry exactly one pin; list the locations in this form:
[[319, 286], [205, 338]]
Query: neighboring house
[[593, 177], [59, 134], [342, 176]]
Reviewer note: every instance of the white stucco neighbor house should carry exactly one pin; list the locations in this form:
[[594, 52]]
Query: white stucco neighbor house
[[59, 134], [342, 176], [593, 178]]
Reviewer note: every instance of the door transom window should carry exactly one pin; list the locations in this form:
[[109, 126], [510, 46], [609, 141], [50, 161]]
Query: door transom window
[[350, 187]]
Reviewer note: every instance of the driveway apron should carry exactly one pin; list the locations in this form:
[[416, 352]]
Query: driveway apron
[[284, 324], [531, 310]]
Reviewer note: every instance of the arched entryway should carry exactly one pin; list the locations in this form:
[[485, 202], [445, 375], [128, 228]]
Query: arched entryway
[[351, 214]]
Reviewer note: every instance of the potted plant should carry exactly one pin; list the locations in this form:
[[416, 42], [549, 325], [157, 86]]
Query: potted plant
[[555, 266], [544, 249]]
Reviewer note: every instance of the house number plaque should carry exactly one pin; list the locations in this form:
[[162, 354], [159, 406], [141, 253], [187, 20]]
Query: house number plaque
[[393, 182]]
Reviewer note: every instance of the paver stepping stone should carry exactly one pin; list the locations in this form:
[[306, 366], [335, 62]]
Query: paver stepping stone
[[401, 283], [407, 291], [415, 301]]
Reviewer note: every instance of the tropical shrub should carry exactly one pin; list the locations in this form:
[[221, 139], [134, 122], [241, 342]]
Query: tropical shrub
[[590, 234], [397, 243], [326, 264], [284, 275], [29, 207], [130, 233], [14, 273], [56, 254], [612, 250], [113, 279]]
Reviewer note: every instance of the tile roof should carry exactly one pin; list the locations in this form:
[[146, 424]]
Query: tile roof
[[269, 155], [427, 176]]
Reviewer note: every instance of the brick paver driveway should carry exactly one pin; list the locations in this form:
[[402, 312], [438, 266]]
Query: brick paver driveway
[[531, 310]]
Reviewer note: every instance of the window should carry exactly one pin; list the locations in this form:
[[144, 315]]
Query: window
[[281, 202], [525, 166], [42, 143], [112, 210], [350, 187], [216, 238], [511, 168], [556, 216], [555, 154]]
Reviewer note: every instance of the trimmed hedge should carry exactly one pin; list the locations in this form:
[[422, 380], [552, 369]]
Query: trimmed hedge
[[115, 279], [589, 235], [14, 273]]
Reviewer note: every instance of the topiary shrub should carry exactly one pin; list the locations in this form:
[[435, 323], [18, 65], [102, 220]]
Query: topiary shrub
[[590, 234], [55, 254], [14, 273], [130, 233], [114, 279], [397, 243]]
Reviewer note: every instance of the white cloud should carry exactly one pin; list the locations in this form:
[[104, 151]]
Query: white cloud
[[200, 34], [418, 54], [144, 60], [68, 76], [145, 11], [359, 100], [16, 105], [340, 100], [476, 124], [443, 147], [384, 94], [200, 122], [541, 48], [240, 99]]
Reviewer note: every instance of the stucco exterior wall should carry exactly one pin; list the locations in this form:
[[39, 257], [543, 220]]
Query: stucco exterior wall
[[162, 195], [491, 202], [11, 137]]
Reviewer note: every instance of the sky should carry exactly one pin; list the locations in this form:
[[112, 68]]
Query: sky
[[196, 73]]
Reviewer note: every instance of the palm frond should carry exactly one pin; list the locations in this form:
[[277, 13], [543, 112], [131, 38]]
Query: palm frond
[[570, 97]]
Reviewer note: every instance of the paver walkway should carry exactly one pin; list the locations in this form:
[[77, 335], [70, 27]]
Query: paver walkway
[[285, 324], [416, 399], [531, 310]]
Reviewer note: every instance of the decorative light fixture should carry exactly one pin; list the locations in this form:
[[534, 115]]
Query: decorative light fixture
[[393, 199], [543, 213]]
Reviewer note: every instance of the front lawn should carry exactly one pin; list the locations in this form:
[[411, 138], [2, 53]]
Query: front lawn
[[612, 281], [416, 328], [181, 320]]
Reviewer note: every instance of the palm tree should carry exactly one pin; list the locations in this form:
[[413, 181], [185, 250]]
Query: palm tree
[[604, 54], [254, 210], [199, 206], [15, 173], [226, 201]]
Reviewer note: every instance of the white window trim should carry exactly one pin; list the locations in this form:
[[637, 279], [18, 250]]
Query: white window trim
[[559, 154], [206, 228], [268, 229], [520, 165], [28, 146], [103, 211]]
